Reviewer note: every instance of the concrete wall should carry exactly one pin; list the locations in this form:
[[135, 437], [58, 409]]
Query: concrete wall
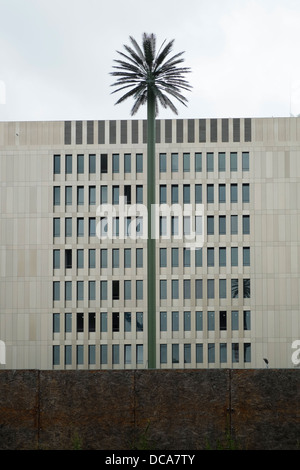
[[160, 409]]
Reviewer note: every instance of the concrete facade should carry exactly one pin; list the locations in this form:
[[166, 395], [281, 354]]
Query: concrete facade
[[66, 303]]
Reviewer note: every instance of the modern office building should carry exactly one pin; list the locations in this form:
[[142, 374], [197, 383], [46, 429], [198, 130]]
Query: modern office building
[[73, 279]]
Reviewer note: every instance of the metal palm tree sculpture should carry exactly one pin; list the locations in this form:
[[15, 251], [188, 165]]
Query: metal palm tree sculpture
[[151, 77]]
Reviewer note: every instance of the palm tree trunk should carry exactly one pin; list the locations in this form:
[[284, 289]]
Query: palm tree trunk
[[151, 255]]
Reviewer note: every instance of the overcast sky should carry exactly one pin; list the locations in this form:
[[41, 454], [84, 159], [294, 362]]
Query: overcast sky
[[56, 56]]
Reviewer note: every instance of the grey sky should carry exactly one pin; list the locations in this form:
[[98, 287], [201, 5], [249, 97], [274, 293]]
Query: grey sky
[[56, 55]]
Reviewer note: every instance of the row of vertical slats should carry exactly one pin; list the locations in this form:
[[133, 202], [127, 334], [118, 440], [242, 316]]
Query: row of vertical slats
[[208, 131]]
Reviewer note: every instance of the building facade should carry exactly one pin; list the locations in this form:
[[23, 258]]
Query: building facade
[[73, 278]]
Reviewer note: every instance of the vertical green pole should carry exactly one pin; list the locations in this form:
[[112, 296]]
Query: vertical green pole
[[151, 271]]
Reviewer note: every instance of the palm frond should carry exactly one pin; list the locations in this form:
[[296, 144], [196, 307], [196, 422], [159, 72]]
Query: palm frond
[[142, 70]]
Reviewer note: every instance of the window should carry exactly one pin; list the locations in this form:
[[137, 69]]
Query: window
[[223, 321], [186, 257], [235, 352], [115, 194], [162, 226], [139, 353], [103, 353], [186, 194], [163, 353], [80, 164], [115, 290], [221, 161], [198, 288], [210, 256], [198, 257], [139, 257], [56, 259], [174, 225], [56, 355], [92, 258], [103, 160], [103, 258], [56, 227], [92, 195], [233, 193], [103, 194], [175, 353], [92, 226], [210, 225], [103, 290], [103, 322], [234, 256], [247, 352], [246, 224], [246, 288], [233, 161], [174, 162], [186, 225], [163, 194], [163, 321], [68, 164], [115, 257], [127, 353], [163, 257], [175, 257], [174, 193], [80, 292], [79, 354], [198, 193], [56, 290], [127, 258], [80, 258], [68, 195], [187, 353], [139, 194], [92, 290], [175, 321], [175, 289], [199, 353], [127, 163], [139, 163], [246, 193], [56, 164], [127, 321], [139, 290], [92, 164], [80, 227], [234, 224], [92, 322], [104, 227], [222, 224], [68, 322], [234, 320], [199, 321], [187, 321], [139, 321], [68, 227], [56, 195], [246, 256], [127, 289], [92, 354], [127, 194], [211, 353], [80, 322], [245, 161], [234, 288], [222, 288], [210, 193], [222, 193], [68, 258], [68, 290], [186, 288], [115, 322], [115, 163], [198, 162], [163, 289], [162, 162], [210, 162], [115, 354], [210, 288], [56, 322], [223, 352], [222, 257], [186, 162], [247, 320]]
